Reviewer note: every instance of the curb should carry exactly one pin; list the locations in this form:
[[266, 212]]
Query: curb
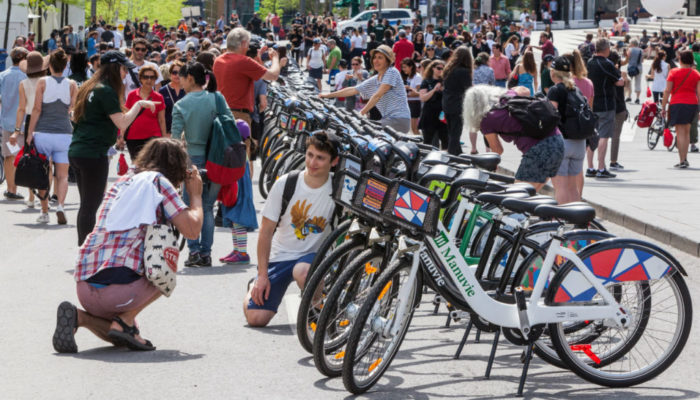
[[660, 234]]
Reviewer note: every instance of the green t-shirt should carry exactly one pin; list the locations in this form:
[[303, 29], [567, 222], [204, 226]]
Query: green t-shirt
[[546, 79], [333, 58], [95, 132], [696, 56]]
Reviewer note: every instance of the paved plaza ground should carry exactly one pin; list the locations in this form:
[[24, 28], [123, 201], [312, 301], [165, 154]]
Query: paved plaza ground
[[205, 350]]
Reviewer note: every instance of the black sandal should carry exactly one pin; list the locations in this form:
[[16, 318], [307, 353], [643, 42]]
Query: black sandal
[[127, 337], [66, 324]]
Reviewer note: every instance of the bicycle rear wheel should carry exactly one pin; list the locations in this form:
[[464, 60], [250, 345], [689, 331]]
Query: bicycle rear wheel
[[370, 348], [651, 289]]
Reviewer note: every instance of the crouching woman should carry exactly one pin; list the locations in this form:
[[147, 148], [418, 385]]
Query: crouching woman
[[541, 157], [111, 285]]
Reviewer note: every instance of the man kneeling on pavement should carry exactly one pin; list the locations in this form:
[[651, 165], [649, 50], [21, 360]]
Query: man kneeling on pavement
[[289, 238]]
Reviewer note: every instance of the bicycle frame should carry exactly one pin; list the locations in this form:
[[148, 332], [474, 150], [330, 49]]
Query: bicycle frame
[[509, 315]]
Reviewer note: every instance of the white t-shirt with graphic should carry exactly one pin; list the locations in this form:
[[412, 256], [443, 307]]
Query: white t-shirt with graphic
[[305, 223]]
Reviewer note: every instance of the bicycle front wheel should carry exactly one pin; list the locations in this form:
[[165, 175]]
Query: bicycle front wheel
[[649, 285], [652, 137], [371, 347]]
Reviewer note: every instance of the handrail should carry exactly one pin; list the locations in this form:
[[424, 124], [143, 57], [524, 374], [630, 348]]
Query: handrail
[[622, 11]]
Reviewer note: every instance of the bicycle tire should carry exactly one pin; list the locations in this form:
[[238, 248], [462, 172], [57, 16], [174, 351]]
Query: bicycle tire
[[266, 172], [652, 137], [386, 288], [278, 169], [651, 260], [337, 237], [2, 170], [309, 311], [336, 319]]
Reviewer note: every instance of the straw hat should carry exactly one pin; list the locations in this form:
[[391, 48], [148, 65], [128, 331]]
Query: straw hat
[[34, 63], [386, 51]]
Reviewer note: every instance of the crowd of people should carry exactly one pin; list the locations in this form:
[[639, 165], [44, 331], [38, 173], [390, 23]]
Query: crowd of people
[[154, 91]]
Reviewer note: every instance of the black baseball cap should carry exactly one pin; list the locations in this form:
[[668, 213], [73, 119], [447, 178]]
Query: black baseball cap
[[116, 57], [561, 64]]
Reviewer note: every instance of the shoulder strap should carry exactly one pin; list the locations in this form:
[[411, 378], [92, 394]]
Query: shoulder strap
[[289, 186], [675, 89]]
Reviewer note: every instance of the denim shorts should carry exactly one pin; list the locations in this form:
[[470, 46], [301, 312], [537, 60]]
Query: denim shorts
[[281, 275], [574, 154], [316, 73], [53, 145], [542, 161]]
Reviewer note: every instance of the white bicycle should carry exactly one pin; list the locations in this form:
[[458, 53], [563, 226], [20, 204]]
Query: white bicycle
[[618, 312]]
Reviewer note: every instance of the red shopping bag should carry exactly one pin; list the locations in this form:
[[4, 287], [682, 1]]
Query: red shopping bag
[[668, 138], [122, 166], [648, 91]]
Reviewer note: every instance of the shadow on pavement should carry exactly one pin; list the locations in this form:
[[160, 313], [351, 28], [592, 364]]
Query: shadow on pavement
[[121, 355], [50, 226], [278, 330], [215, 270]]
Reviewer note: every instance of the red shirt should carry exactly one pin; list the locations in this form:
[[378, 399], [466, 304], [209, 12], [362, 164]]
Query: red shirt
[[684, 92], [275, 21], [402, 49], [236, 74], [29, 45], [547, 48], [146, 124]]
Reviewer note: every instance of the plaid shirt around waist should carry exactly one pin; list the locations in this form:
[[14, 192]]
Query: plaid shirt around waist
[[103, 249]]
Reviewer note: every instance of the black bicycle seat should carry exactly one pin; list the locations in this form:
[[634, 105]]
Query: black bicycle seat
[[497, 197], [578, 213], [435, 157], [523, 186], [470, 178], [528, 204], [440, 172], [487, 161]]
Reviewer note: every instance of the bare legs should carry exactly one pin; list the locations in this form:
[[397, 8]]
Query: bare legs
[[259, 318]]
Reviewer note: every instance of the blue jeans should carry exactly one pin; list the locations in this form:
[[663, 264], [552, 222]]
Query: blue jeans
[[209, 193], [331, 74], [501, 82]]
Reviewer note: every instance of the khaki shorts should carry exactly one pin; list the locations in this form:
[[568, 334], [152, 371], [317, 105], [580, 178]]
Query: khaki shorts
[[242, 115], [6, 138]]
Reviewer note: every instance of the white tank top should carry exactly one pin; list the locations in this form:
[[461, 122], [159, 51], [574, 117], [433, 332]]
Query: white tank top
[[29, 85]]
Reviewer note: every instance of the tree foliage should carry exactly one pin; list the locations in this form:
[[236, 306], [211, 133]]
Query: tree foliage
[[167, 12]]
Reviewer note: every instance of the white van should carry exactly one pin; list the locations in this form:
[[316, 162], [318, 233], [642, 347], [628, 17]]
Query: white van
[[396, 16]]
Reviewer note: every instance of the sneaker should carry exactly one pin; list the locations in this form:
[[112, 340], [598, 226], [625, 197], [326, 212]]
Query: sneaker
[[236, 257], [224, 258], [694, 148], [591, 173], [628, 100], [53, 200], [31, 204], [43, 218], [682, 165], [192, 260], [61, 215], [204, 261], [13, 196], [614, 165], [604, 174], [636, 101]]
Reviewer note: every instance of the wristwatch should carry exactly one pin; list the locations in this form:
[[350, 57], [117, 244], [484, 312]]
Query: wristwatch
[[18, 130]]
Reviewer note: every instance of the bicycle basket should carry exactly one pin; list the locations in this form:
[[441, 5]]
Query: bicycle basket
[[349, 162], [370, 194], [301, 125], [412, 207], [283, 120]]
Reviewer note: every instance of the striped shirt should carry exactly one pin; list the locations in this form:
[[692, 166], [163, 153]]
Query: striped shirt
[[394, 103], [103, 249]]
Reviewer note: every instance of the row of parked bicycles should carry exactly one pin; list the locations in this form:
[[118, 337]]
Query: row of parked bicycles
[[413, 221]]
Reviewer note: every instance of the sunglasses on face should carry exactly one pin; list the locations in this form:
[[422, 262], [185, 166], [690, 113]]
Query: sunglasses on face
[[355, 64], [148, 77], [139, 49], [176, 71], [439, 68]]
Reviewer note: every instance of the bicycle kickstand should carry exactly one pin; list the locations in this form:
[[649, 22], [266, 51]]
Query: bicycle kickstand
[[526, 366], [464, 340], [492, 356]]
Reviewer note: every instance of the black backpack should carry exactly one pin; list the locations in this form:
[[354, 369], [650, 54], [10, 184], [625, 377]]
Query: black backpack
[[45, 46], [586, 50], [537, 116], [579, 121]]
